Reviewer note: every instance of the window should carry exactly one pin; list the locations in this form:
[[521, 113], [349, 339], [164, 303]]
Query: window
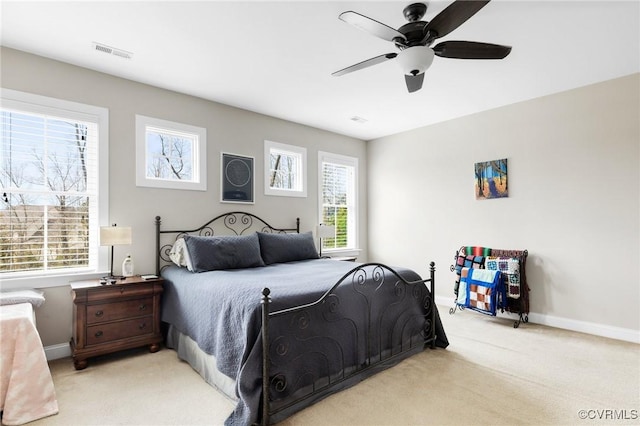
[[170, 155], [285, 167], [54, 185], [338, 199]]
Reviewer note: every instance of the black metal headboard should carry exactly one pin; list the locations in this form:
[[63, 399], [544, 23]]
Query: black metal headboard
[[232, 223]]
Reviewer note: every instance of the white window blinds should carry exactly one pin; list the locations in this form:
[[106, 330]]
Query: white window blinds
[[49, 183], [338, 200]]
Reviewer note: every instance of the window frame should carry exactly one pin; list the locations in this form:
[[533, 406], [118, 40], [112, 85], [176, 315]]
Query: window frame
[[198, 161], [353, 245], [299, 152], [30, 103]]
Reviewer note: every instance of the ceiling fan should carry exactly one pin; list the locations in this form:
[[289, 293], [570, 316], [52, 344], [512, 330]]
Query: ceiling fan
[[415, 38]]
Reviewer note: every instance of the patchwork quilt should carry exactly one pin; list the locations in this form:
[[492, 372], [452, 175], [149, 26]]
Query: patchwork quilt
[[466, 261], [484, 290], [462, 291], [510, 269]]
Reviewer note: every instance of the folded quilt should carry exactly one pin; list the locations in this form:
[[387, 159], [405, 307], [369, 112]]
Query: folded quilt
[[483, 287], [14, 297], [462, 290], [510, 268], [476, 250], [465, 261]]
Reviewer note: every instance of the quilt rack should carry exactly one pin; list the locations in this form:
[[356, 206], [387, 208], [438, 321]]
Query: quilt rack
[[515, 297]]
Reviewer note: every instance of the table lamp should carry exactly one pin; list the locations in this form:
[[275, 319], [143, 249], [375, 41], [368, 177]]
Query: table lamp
[[325, 231], [114, 236]]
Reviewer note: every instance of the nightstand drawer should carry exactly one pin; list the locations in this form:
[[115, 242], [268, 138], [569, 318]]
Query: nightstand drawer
[[118, 291], [103, 333], [120, 310]]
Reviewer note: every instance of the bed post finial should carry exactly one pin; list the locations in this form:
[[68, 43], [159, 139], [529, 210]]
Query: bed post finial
[[265, 301], [432, 273], [158, 245]]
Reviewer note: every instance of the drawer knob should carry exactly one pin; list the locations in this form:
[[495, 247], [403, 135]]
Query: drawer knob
[[99, 313], [98, 334], [142, 325], [142, 307]]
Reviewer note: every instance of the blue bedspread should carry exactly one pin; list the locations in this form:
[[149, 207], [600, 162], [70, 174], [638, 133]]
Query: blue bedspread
[[221, 311]]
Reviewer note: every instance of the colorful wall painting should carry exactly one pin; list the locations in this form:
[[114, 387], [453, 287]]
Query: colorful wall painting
[[491, 179]]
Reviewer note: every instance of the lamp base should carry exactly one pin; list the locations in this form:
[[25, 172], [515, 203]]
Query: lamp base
[[111, 279]]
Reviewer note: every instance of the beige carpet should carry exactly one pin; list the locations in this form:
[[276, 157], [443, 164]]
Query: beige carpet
[[491, 374]]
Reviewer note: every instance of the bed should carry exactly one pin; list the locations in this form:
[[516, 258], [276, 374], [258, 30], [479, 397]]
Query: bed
[[244, 300], [26, 387]]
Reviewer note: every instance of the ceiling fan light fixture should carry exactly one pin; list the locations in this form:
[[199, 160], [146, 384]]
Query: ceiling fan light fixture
[[415, 60]]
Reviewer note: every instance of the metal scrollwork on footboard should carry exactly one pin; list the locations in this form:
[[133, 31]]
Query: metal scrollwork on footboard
[[372, 317]]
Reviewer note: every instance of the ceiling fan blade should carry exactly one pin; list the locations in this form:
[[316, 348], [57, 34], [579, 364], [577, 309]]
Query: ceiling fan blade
[[371, 26], [365, 64], [414, 82], [453, 16], [471, 50]]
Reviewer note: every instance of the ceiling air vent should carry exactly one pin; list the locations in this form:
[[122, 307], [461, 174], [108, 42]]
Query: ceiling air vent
[[112, 50]]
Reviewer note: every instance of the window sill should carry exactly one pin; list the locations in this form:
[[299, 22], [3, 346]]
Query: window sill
[[285, 193], [341, 252], [46, 281]]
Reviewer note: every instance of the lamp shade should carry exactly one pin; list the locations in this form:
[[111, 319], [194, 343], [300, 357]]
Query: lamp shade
[[325, 231], [115, 235], [415, 60]]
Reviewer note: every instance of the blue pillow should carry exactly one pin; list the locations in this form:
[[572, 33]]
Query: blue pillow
[[223, 252], [279, 248]]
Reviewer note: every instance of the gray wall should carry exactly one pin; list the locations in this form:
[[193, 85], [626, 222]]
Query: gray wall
[[228, 129], [574, 176], [574, 185]]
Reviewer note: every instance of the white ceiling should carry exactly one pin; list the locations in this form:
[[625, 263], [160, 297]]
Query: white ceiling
[[276, 58]]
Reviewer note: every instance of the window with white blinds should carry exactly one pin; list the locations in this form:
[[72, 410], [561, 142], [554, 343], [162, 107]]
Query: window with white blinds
[[338, 199], [49, 178]]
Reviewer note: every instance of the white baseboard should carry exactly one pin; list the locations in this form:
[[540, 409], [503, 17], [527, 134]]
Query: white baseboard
[[61, 350], [625, 334]]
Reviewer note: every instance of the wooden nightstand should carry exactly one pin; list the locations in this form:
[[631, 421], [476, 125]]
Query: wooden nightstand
[[113, 317]]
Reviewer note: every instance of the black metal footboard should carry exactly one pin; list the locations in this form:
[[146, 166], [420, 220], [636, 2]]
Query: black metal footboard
[[372, 318]]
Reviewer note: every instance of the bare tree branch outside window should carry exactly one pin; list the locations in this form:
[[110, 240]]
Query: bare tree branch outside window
[[169, 156], [43, 219], [284, 171]]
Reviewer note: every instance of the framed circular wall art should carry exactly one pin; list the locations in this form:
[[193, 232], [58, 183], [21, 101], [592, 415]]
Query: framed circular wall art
[[237, 179]]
